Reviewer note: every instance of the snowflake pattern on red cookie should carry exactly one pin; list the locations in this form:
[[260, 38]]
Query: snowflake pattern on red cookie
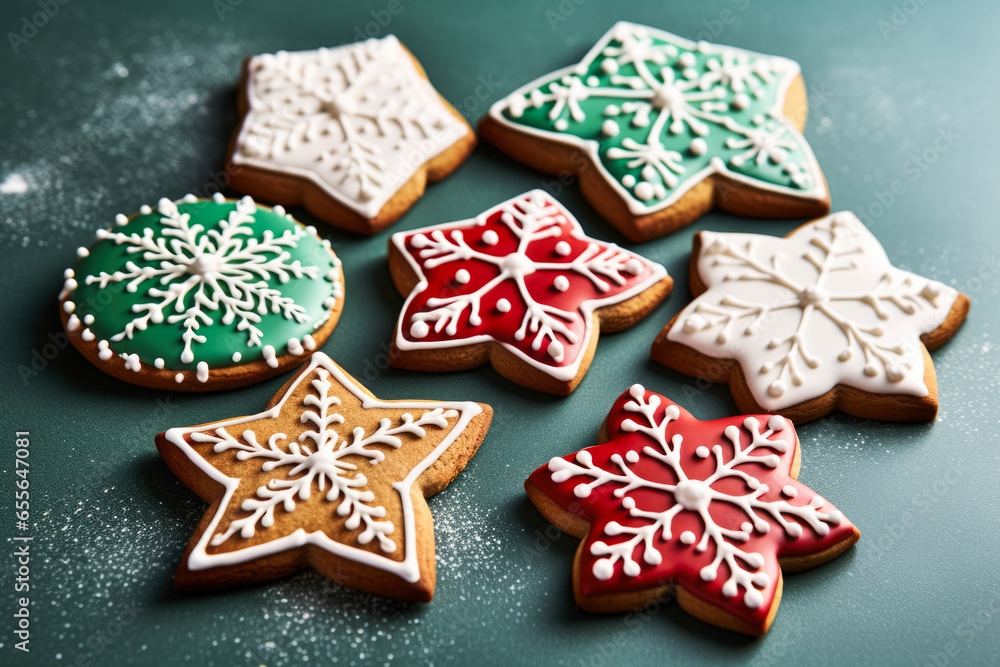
[[711, 506], [522, 274]]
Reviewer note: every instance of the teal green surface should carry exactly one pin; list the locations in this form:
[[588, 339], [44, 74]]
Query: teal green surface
[[112, 302], [112, 105]]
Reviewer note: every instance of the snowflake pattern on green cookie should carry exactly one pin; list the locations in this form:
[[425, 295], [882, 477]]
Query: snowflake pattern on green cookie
[[201, 284], [659, 114]]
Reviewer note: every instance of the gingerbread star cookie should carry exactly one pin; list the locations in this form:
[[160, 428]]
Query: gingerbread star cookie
[[328, 477], [660, 129], [710, 512], [816, 321], [352, 133], [522, 287], [202, 294]]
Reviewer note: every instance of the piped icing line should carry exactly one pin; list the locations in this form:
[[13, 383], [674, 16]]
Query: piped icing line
[[357, 120], [195, 270], [821, 307], [709, 505], [477, 283], [321, 372], [639, 73]]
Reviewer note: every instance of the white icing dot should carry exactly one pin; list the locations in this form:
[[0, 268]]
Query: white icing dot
[[687, 59], [309, 342], [82, 252], [871, 371], [88, 319], [503, 306], [561, 125], [202, 372], [789, 491], [612, 110], [490, 237], [741, 100], [269, 356], [593, 81], [687, 537], [295, 347], [632, 456], [236, 357], [121, 219], [159, 363], [698, 146], [610, 128], [69, 306], [561, 283], [219, 198], [644, 191], [280, 210], [179, 378], [693, 324], [609, 65], [73, 323], [462, 277], [777, 423], [628, 180], [633, 266], [88, 335], [419, 329], [556, 351], [702, 452], [777, 389], [146, 209], [603, 569], [563, 249], [895, 372]]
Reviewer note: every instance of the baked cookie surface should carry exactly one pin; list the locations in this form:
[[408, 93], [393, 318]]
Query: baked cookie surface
[[709, 512], [353, 133], [202, 294], [328, 477], [816, 321], [520, 286], [661, 129]]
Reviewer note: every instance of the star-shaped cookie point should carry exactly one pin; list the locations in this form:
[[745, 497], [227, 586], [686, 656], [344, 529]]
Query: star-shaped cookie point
[[329, 477], [816, 321], [660, 129], [710, 511], [353, 133], [520, 286]]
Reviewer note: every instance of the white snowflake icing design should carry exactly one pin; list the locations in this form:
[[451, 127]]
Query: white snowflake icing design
[[325, 463], [357, 120], [200, 275], [636, 546], [530, 218], [804, 313], [675, 88]]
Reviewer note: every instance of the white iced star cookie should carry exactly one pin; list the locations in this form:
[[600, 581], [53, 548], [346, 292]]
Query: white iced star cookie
[[328, 477], [660, 129], [816, 321], [352, 133]]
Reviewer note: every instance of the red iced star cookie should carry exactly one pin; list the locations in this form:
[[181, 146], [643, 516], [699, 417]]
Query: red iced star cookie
[[710, 511], [520, 286]]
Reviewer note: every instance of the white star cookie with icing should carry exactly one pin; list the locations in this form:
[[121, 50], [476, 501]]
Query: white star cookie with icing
[[812, 322], [353, 133]]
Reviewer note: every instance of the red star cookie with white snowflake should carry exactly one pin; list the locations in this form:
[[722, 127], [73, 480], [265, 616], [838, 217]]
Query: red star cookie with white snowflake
[[520, 286], [328, 477], [816, 321], [709, 511]]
